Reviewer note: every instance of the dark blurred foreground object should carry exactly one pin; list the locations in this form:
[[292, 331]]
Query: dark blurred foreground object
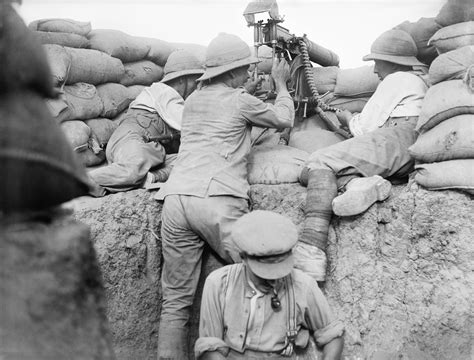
[[23, 64], [52, 300], [38, 168]]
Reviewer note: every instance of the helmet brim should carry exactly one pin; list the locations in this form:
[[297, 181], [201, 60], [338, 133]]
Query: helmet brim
[[214, 71]]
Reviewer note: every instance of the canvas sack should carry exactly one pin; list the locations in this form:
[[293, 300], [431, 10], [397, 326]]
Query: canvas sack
[[312, 140], [83, 101], [452, 64], [84, 143], [444, 101], [454, 12], [93, 67], [63, 39], [115, 98], [59, 60], [102, 128], [61, 25], [421, 31], [453, 37], [452, 174], [452, 139], [143, 72], [159, 51], [357, 82], [119, 45], [279, 164]]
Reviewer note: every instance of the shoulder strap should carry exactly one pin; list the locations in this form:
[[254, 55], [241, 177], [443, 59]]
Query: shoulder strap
[[292, 330]]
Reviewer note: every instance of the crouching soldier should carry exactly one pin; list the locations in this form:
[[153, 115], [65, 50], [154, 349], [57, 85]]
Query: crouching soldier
[[156, 113], [263, 307], [383, 132]]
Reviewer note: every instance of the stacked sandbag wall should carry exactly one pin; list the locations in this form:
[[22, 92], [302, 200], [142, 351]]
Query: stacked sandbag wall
[[444, 150], [453, 12], [98, 73]]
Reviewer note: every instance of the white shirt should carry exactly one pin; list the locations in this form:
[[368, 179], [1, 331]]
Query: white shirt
[[164, 100], [399, 94]]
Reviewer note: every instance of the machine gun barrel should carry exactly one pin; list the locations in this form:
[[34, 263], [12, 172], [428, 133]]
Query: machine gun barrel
[[320, 55]]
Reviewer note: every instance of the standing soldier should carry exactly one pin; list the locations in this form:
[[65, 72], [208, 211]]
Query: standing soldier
[[208, 189]]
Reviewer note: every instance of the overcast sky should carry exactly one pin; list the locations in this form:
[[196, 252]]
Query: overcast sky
[[346, 27]]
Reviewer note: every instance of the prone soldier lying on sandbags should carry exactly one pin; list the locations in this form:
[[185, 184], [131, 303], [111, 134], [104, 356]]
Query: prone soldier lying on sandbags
[[138, 145], [383, 132]]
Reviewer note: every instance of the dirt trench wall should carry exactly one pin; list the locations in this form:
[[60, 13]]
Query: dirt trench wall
[[401, 275]]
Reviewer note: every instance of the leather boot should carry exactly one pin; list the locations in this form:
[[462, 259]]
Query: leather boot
[[172, 343], [360, 194], [310, 252]]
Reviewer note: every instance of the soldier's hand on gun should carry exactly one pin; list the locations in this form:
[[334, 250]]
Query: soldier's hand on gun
[[344, 116], [280, 72]]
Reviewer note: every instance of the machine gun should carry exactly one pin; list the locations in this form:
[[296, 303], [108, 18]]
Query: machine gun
[[299, 52]]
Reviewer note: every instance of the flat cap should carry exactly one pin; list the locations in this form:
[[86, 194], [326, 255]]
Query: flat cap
[[267, 238]]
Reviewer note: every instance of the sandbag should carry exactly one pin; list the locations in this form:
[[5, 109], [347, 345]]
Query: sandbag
[[453, 37], [59, 60], [93, 67], [325, 78], [102, 128], [352, 104], [61, 25], [196, 49], [135, 90], [159, 50], [38, 168], [143, 72], [421, 31], [23, 62], [119, 45], [278, 164], [312, 140], [452, 174], [63, 39], [357, 82], [84, 143], [115, 98], [455, 11], [443, 101], [58, 108], [452, 65], [450, 140], [83, 101]]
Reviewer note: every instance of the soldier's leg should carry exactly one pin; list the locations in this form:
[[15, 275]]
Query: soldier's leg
[[213, 218], [182, 257], [130, 158], [382, 152]]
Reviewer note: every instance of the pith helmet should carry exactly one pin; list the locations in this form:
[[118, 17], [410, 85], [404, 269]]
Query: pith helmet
[[395, 46], [224, 53], [180, 63], [267, 238]]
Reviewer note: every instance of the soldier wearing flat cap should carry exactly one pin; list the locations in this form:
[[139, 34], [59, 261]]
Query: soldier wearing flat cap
[[263, 307]]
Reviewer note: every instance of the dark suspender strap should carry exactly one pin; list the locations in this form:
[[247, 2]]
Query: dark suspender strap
[[292, 330]]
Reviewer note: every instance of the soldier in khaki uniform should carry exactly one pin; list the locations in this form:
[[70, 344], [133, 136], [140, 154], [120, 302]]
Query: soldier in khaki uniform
[[263, 308], [157, 111]]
